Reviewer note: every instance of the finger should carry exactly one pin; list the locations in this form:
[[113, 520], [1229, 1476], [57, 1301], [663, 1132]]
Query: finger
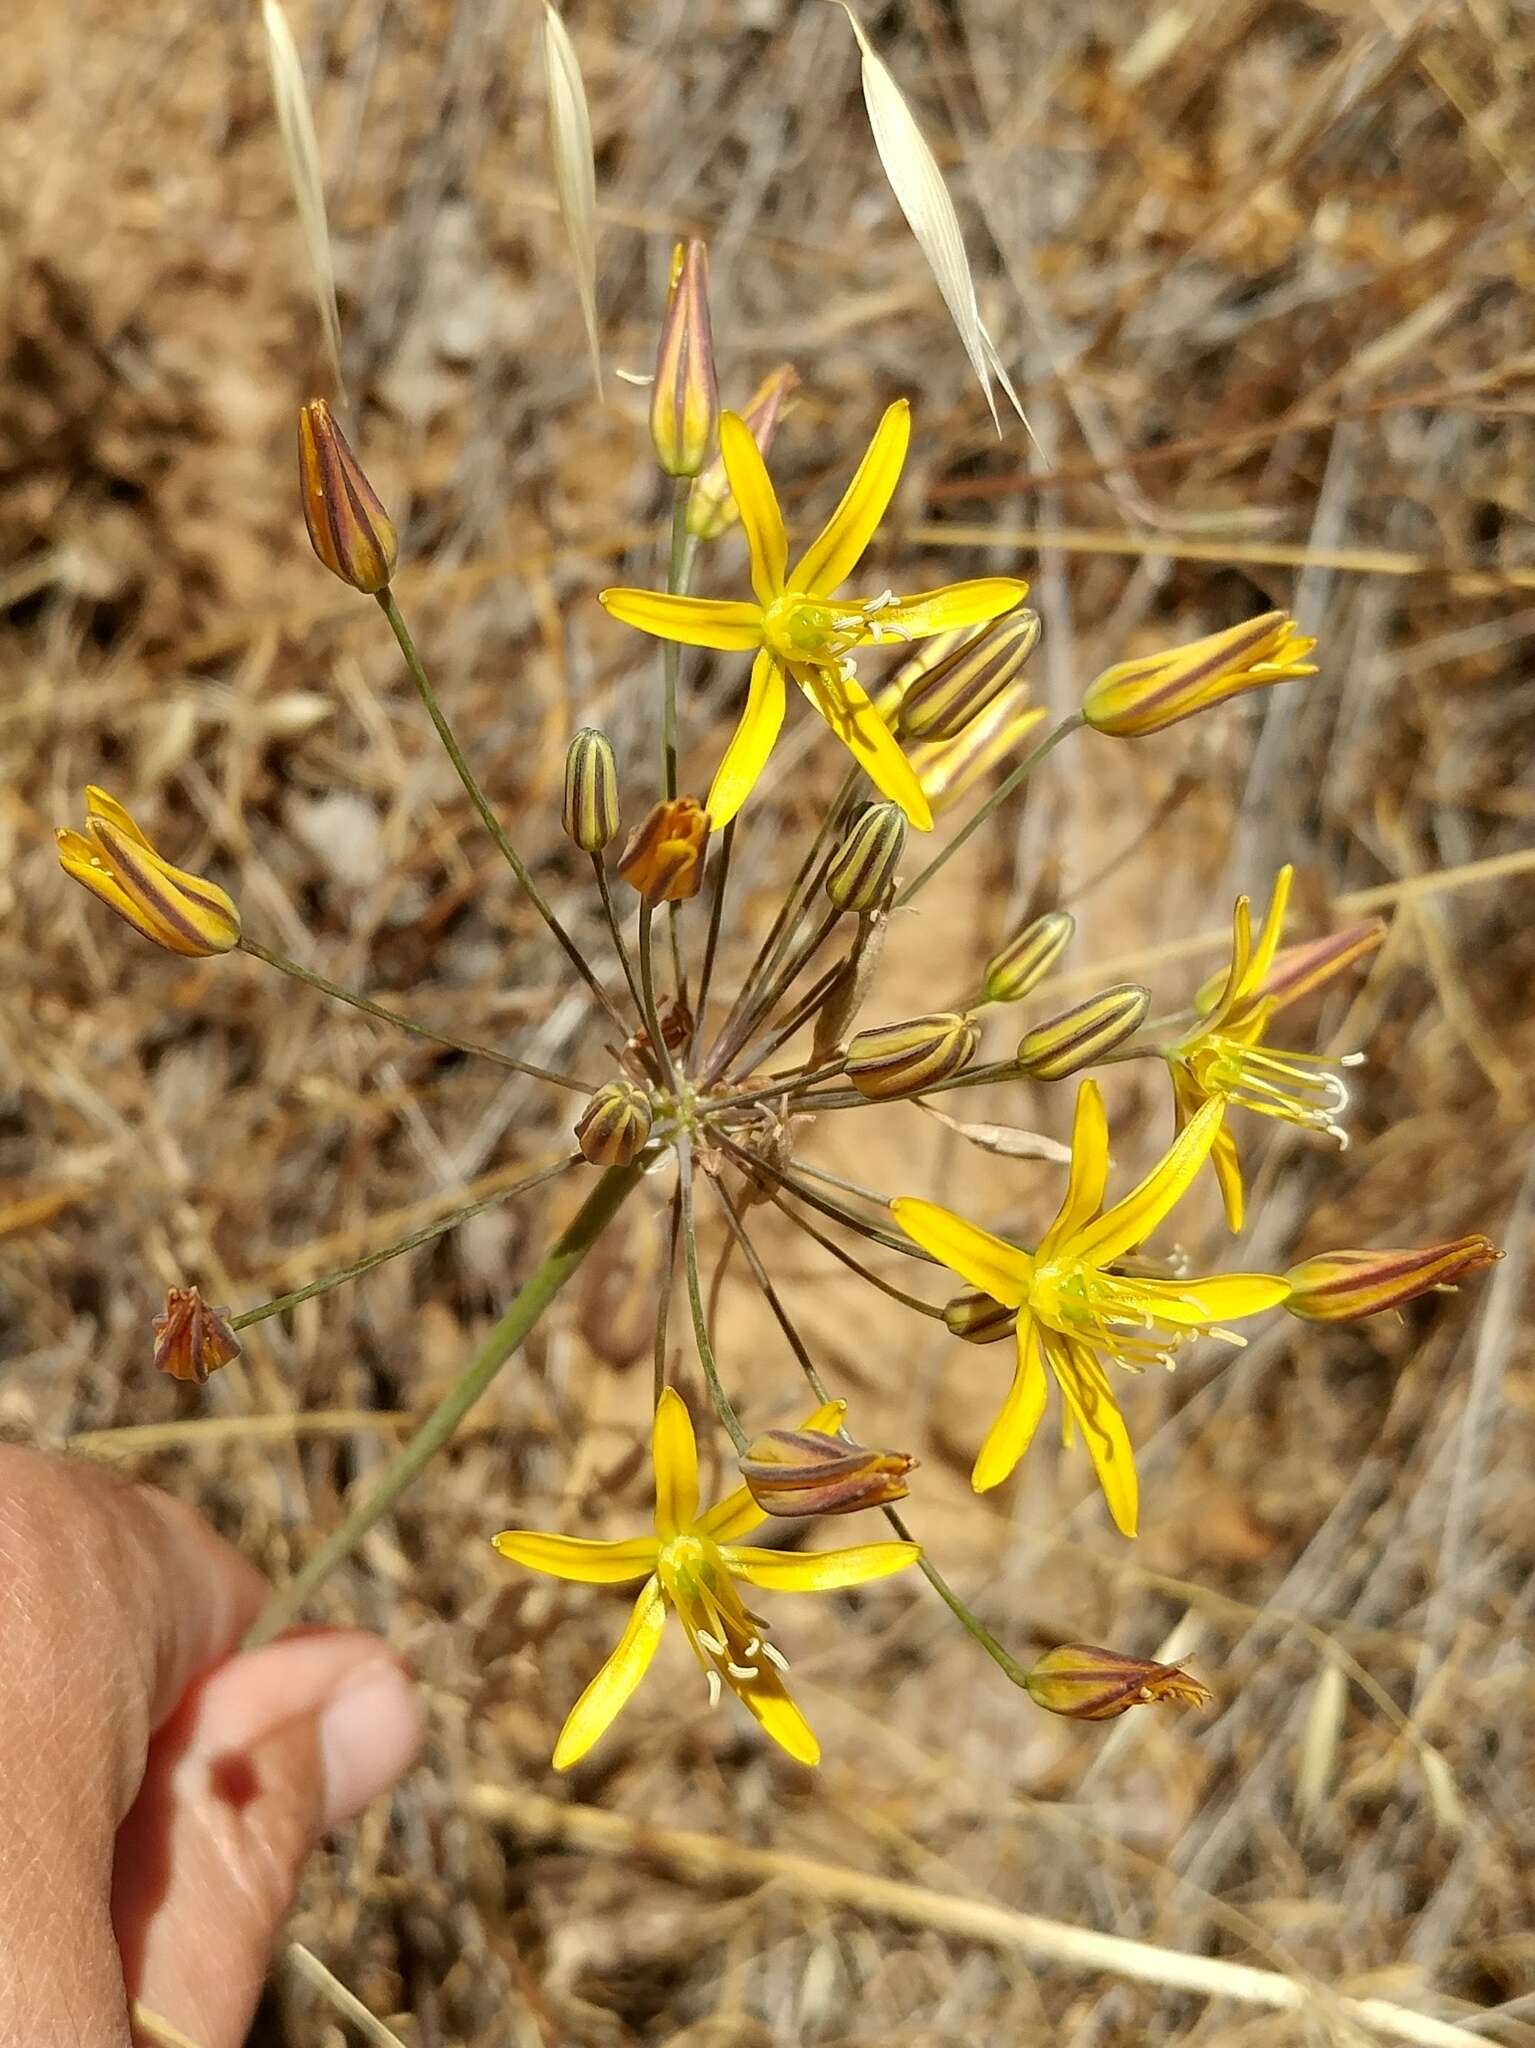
[[263, 1757]]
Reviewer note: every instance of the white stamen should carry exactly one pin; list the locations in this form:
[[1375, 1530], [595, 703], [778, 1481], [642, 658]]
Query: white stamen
[[1352, 1059], [877, 604], [743, 1670], [752, 1647], [775, 1656], [712, 1643], [714, 1687]]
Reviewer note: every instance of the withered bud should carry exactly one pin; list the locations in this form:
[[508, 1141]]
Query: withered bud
[[1086, 1683], [191, 1339], [978, 1319], [637, 1056], [664, 859], [945, 698], [1077, 1037], [1025, 961], [348, 528], [684, 400], [863, 867], [803, 1472], [614, 1125], [590, 815], [903, 1059], [1340, 1287], [712, 509]]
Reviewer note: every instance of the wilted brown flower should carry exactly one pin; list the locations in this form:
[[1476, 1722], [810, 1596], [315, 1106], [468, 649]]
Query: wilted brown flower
[[191, 1339], [805, 1472], [1086, 1683], [664, 859]]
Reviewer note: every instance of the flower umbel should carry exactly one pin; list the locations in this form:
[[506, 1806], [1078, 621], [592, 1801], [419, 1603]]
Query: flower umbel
[[798, 627], [1149, 694], [695, 1564], [1074, 1310], [181, 912]]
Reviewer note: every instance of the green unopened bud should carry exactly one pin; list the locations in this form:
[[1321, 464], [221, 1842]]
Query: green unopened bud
[[684, 400], [804, 1472], [903, 1059], [591, 791], [1062, 1045], [1086, 1683], [348, 528], [1024, 962], [614, 1125], [863, 866], [944, 699], [978, 1319]]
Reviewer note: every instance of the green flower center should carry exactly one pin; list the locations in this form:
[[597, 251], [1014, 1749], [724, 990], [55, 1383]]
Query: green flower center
[[819, 633]]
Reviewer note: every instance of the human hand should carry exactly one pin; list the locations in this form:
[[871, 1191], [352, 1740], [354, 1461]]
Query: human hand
[[158, 1790]]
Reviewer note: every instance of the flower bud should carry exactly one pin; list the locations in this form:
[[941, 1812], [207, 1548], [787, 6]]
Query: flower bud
[[1088, 1684], [1339, 1287], [1147, 695], [590, 815], [664, 859], [946, 697], [1299, 971], [949, 769], [348, 528], [805, 1472], [614, 1125], [712, 509], [1025, 961], [863, 867], [173, 909], [1064, 1044], [903, 1059], [191, 1339], [978, 1319], [684, 400]]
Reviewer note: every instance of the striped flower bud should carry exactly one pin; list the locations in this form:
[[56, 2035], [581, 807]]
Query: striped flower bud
[[684, 400], [1089, 1684], [978, 1319], [191, 1339], [945, 698], [173, 909], [805, 1472], [949, 769], [903, 1059], [1062, 1045], [590, 814], [1299, 971], [664, 859], [1339, 1287], [614, 1125], [1025, 961], [712, 509], [863, 867], [1137, 697], [348, 528]]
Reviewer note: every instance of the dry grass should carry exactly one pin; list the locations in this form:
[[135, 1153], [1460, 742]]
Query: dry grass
[[1263, 276]]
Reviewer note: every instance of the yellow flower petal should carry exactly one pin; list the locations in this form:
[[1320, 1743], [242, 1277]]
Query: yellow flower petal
[[998, 1268], [1236, 974], [593, 1714], [1132, 1221], [728, 624], [1268, 937], [738, 1514], [834, 554], [1088, 1174], [757, 503], [1096, 1413], [752, 742], [819, 1571], [955, 605], [847, 710], [1226, 1158], [674, 1449], [579, 1557], [1222, 1298], [1013, 1431], [766, 1699]]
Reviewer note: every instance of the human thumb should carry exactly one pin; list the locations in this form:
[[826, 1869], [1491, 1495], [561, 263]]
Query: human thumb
[[264, 1755]]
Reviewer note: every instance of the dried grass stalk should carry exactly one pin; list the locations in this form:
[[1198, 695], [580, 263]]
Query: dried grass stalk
[[301, 150], [575, 175]]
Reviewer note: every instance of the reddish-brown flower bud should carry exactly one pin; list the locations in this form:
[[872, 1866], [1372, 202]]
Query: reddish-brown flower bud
[[1090, 1684], [684, 400], [348, 528], [804, 1472], [664, 859], [191, 1339], [1340, 1287]]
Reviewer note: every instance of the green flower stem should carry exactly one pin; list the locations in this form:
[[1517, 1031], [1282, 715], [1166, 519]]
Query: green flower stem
[[711, 943], [973, 1077], [973, 1626], [845, 1257], [386, 1016], [839, 1212], [658, 1043], [776, 1085], [799, 1016], [611, 914], [679, 573], [523, 1311], [994, 802], [664, 1296], [424, 1235], [782, 980], [717, 1395], [481, 802]]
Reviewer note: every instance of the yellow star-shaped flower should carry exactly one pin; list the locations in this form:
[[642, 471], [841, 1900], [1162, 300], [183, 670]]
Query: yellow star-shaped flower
[[798, 626]]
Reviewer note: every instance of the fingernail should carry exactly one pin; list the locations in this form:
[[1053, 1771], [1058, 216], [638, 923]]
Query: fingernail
[[370, 1734]]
